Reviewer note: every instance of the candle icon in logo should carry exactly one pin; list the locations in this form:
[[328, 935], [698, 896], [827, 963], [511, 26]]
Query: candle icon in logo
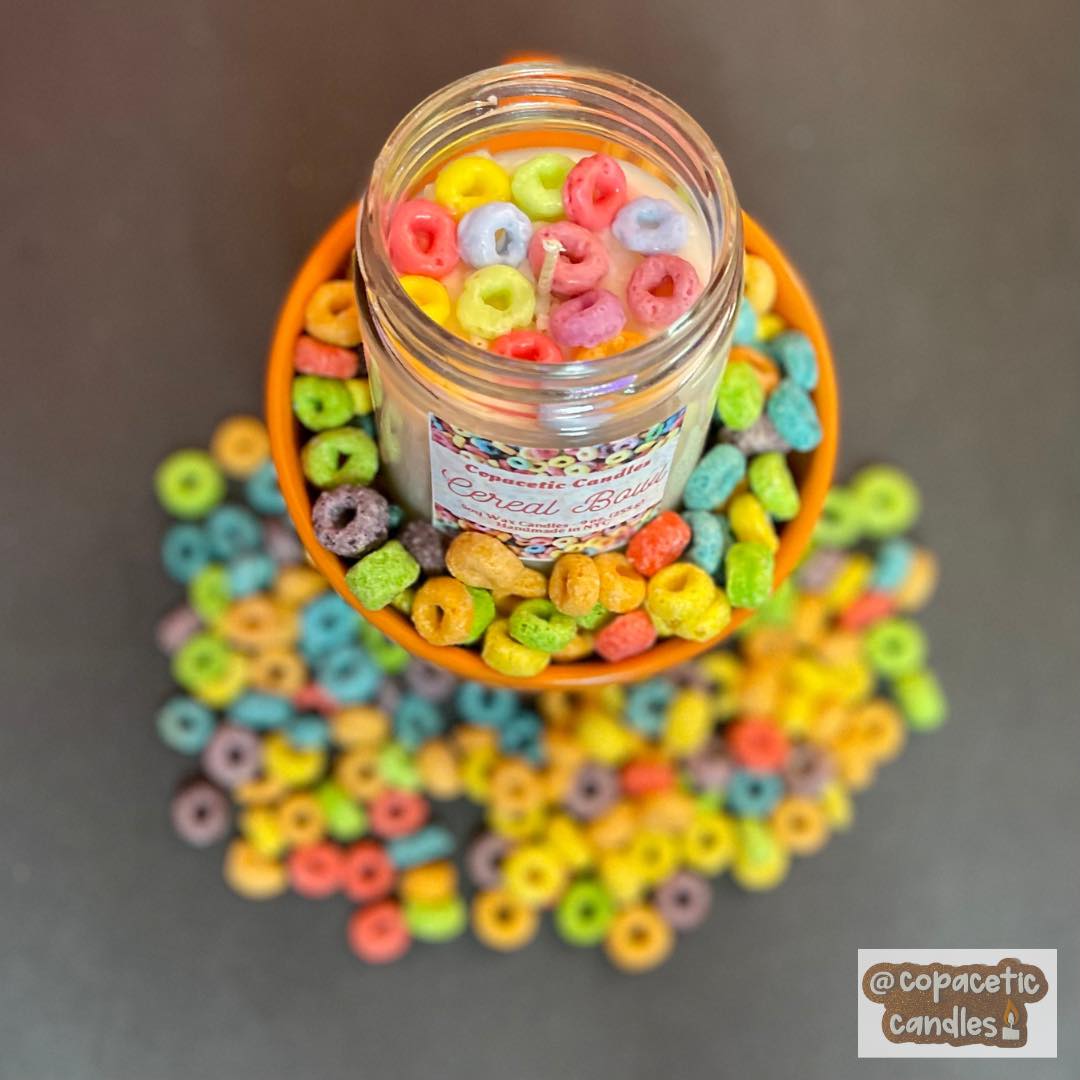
[[1009, 1033]]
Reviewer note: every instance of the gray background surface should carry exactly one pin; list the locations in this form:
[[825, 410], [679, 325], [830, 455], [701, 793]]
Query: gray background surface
[[166, 167]]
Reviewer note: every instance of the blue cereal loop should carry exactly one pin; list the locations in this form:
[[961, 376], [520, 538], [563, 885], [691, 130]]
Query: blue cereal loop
[[647, 705], [185, 550], [496, 233], [261, 711], [520, 736], [326, 623], [416, 720], [423, 846], [262, 492], [745, 332], [650, 227], [485, 706], [794, 416], [233, 530], [894, 559], [308, 732], [714, 478], [348, 675], [795, 354], [185, 725], [753, 794], [707, 545], [250, 573]]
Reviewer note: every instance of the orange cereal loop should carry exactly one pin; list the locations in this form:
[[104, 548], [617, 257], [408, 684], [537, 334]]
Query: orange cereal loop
[[626, 339], [502, 921], [442, 611], [240, 444], [639, 939], [581, 645], [483, 562], [256, 622], [296, 585], [880, 728], [359, 725], [763, 367], [277, 671], [332, 316], [515, 787], [440, 773], [261, 791], [799, 825], [574, 586], [357, 773], [530, 584], [301, 819], [432, 883], [253, 876], [622, 588]]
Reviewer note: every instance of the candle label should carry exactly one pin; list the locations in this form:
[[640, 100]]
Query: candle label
[[547, 502]]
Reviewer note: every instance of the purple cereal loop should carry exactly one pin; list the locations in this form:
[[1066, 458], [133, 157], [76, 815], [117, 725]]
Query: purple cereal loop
[[761, 437], [593, 789], [483, 859], [588, 319], [710, 768], [652, 272], [200, 814], [175, 628], [808, 770], [388, 696], [426, 545], [232, 756], [684, 900], [350, 520], [820, 568], [429, 681], [282, 544], [581, 265]]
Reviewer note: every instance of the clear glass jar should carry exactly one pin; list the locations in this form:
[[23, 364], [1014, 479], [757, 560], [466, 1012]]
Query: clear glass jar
[[550, 457]]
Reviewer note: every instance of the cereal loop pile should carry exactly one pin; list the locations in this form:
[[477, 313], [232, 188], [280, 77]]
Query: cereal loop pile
[[320, 751]]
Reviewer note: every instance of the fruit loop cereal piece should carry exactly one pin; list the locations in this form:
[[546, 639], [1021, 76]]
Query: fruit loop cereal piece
[[252, 875], [709, 539], [622, 588], [574, 585], [381, 575], [638, 939], [313, 357], [538, 625], [496, 233], [840, 524], [709, 623], [240, 445], [332, 316], [494, 301], [792, 412], [748, 573], [534, 874], [913, 592], [581, 263], [426, 545], [594, 192], [536, 185], [795, 354], [483, 562], [443, 611], [378, 934], [509, 657], [757, 744], [429, 295], [625, 636], [661, 289], [343, 455], [888, 502], [200, 814], [771, 481], [753, 794], [714, 478], [367, 873], [759, 438], [750, 523], [350, 520], [741, 397], [189, 484], [185, 550], [397, 813], [321, 403], [678, 593], [799, 825], [469, 182], [262, 493], [650, 226], [658, 544], [423, 239], [683, 900], [315, 870], [502, 921], [588, 319], [528, 345], [584, 913], [759, 283], [625, 339]]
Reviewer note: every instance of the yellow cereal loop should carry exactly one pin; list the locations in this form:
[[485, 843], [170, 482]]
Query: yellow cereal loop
[[509, 657], [277, 671], [760, 862], [799, 825], [654, 854], [759, 283], [621, 876], [261, 791], [567, 839], [639, 939], [261, 828], [219, 693], [332, 316], [359, 725], [253, 876], [581, 645], [850, 582], [297, 585], [476, 768], [723, 672], [240, 444], [750, 522], [503, 922], [515, 787], [357, 772], [534, 874], [605, 738], [440, 774], [837, 806], [289, 764], [688, 723], [471, 181], [678, 593], [614, 828], [769, 325], [432, 883], [518, 825], [429, 295], [709, 843], [708, 623], [301, 819]]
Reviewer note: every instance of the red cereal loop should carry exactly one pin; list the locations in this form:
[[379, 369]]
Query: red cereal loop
[[423, 239], [594, 192], [378, 933], [368, 873], [528, 345], [757, 744], [870, 607], [316, 870], [313, 698], [661, 288], [659, 543], [313, 357], [397, 813], [646, 777], [626, 636]]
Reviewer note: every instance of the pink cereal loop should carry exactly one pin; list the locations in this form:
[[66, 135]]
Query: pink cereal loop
[[583, 261], [588, 319], [423, 239], [650, 274], [594, 192]]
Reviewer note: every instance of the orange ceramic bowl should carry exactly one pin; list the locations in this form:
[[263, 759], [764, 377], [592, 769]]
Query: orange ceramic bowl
[[813, 472]]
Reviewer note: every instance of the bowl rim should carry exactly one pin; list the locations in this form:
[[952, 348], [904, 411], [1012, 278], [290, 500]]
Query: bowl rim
[[325, 259]]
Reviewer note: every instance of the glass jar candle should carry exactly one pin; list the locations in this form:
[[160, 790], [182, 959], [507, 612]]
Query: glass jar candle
[[550, 457]]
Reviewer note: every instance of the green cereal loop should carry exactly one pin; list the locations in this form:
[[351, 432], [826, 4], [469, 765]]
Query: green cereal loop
[[888, 501], [208, 592], [740, 398], [840, 524], [483, 613], [584, 913], [895, 647], [538, 624], [344, 455], [437, 922], [748, 574], [536, 186], [321, 403], [594, 619], [201, 660], [397, 768], [189, 484], [377, 578], [921, 699], [771, 481], [494, 301], [345, 819]]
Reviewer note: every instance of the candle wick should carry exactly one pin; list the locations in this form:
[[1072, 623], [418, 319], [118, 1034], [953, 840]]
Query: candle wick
[[552, 250]]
